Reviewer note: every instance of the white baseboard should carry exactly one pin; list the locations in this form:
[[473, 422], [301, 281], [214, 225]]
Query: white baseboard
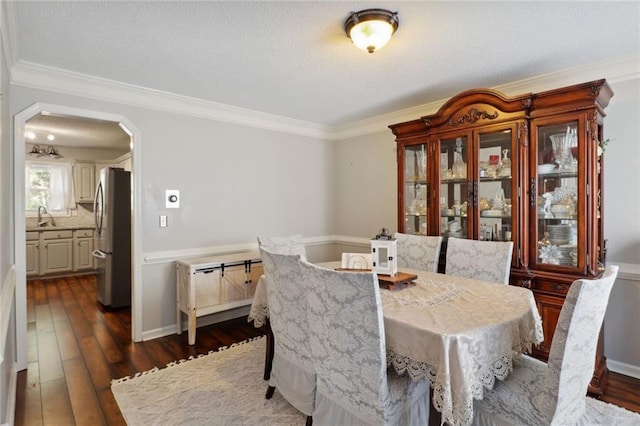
[[622, 368]]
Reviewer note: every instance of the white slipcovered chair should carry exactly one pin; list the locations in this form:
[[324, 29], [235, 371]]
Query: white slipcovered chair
[[292, 372], [284, 245], [482, 260], [418, 251], [357, 261], [280, 245], [555, 393], [354, 386]]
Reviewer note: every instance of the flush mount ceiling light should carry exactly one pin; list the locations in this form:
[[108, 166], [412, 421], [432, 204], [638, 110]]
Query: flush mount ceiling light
[[371, 29]]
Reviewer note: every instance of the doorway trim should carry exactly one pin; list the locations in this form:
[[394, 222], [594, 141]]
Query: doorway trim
[[20, 121]]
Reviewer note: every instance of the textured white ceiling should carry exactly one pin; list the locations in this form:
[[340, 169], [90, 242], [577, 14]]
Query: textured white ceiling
[[293, 59]]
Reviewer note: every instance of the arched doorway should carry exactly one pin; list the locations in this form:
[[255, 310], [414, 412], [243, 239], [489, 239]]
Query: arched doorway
[[20, 121]]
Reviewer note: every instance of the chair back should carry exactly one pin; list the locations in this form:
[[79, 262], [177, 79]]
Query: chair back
[[357, 261], [284, 245], [482, 260], [293, 371], [575, 340], [347, 340], [418, 251]]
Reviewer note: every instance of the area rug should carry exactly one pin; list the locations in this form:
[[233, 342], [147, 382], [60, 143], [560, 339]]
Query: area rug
[[221, 388]]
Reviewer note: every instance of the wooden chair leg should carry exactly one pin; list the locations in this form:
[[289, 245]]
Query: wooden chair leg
[[269, 352], [309, 421], [435, 417], [269, 393]]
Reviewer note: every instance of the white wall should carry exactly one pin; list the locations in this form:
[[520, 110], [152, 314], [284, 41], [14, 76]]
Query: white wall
[[365, 170], [622, 226], [622, 173], [235, 182]]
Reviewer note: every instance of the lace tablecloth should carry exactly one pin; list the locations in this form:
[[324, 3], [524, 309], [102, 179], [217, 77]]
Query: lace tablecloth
[[459, 333]]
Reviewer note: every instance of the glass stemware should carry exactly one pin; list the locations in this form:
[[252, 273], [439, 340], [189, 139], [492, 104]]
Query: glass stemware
[[421, 156], [562, 144]]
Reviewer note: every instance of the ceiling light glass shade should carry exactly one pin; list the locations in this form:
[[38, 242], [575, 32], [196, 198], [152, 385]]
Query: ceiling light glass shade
[[371, 29], [37, 151], [51, 152]]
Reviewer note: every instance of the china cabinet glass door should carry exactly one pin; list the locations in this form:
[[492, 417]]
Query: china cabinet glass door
[[477, 185], [496, 187], [556, 197], [415, 189], [454, 189]]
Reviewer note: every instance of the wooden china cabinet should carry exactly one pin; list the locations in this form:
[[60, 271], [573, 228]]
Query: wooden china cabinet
[[526, 169]]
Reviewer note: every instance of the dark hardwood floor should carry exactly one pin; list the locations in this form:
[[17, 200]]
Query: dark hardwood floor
[[76, 347]]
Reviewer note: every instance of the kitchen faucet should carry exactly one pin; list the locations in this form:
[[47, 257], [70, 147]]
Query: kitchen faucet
[[41, 210]]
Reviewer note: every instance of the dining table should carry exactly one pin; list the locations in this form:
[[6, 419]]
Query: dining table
[[461, 334]]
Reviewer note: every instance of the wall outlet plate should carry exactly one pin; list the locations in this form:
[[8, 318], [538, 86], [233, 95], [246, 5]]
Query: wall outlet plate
[[172, 198]]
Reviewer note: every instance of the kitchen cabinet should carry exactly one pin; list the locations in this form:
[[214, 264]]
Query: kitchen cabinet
[[84, 176], [56, 251], [526, 168], [99, 166], [82, 249], [214, 284], [124, 162], [33, 254]]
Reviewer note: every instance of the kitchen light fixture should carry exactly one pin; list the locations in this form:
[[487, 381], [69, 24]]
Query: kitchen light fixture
[[36, 151], [371, 29]]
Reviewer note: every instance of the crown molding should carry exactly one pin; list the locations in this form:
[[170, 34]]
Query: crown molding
[[67, 82], [42, 77], [615, 70]]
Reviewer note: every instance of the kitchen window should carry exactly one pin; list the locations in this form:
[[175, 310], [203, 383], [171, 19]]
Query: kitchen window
[[50, 185]]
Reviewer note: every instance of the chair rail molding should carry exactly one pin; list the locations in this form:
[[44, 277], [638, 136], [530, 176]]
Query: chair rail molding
[[157, 257], [628, 271]]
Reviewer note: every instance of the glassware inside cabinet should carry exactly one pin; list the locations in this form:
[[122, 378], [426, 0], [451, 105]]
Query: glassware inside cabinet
[[416, 210], [557, 194], [454, 187], [415, 163], [495, 186], [415, 184]]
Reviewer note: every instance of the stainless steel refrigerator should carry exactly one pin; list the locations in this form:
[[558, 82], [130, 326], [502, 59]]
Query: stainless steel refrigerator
[[112, 213]]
